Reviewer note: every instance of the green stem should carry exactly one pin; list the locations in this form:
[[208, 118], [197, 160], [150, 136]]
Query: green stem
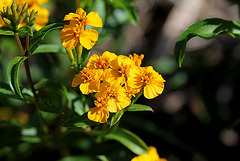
[[29, 77]]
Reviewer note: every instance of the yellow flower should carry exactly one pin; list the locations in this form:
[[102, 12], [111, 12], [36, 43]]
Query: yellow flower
[[100, 112], [150, 80], [74, 33], [137, 59], [101, 62], [43, 13], [88, 79], [116, 96], [152, 155], [92, 19]]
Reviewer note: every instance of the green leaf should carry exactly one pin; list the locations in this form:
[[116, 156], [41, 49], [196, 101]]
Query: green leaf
[[206, 29], [6, 32], [49, 48], [12, 74], [128, 139], [38, 37], [116, 117], [103, 158], [81, 121], [85, 56], [6, 91], [77, 158], [138, 107], [25, 29]]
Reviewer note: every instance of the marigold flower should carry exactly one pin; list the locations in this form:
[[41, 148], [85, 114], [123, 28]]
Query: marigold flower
[[74, 33], [152, 155], [116, 96], [137, 59], [88, 79], [100, 112], [92, 19], [151, 81], [101, 62]]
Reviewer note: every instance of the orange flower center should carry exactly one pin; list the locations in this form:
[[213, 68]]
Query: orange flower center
[[146, 78], [77, 30], [87, 76], [100, 103], [102, 63]]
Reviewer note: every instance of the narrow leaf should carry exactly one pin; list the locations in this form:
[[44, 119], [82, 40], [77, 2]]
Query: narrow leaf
[[5, 91], [38, 37], [138, 107], [85, 56], [206, 29], [49, 48], [116, 117], [6, 32], [25, 29], [12, 74], [128, 139], [81, 121]]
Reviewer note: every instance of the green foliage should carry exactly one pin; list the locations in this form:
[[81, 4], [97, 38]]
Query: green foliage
[[12, 74], [38, 37], [6, 32], [128, 139], [205, 29], [25, 29], [80, 121]]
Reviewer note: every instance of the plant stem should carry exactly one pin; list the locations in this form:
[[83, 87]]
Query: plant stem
[[29, 77]]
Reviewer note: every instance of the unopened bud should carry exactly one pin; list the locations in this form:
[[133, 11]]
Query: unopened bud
[[19, 9], [9, 11], [7, 22], [4, 10], [27, 16], [25, 7], [32, 14], [14, 10]]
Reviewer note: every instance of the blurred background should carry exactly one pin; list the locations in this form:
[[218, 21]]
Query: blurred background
[[197, 116]]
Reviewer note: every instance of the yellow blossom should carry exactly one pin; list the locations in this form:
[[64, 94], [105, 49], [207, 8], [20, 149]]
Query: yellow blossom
[[92, 19], [100, 112], [116, 96], [101, 62], [152, 155], [88, 79], [148, 79], [74, 33], [137, 59]]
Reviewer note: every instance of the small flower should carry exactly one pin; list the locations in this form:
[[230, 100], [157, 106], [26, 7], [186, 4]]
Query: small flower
[[116, 96], [100, 112], [92, 19], [88, 79], [137, 59], [148, 79], [152, 155], [101, 62], [74, 33]]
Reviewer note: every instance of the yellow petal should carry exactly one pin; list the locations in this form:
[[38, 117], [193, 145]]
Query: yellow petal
[[76, 80], [98, 114], [109, 55], [94, 86], [93, 19], [88, 38], [84, 88], [67, 37], [81, 12], [92, 60], [42, 18], [151, 91], [71, 16]]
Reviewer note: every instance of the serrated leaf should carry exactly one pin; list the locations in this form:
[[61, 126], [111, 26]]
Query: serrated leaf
[[116, 117], [206, 29], [81, 121], [6, 32], [138, 107], [128, 139], [49, 48], [25, 29], [38, 37], [12, 74]]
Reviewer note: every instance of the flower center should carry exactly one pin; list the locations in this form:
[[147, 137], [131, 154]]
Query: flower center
[[77, 30], [87, 76], [146, 78]]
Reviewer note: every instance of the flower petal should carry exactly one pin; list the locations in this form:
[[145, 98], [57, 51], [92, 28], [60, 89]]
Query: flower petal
[[98, 114], [71, 16], [88, 38], [76, 80], [93, 19], [84, 88]]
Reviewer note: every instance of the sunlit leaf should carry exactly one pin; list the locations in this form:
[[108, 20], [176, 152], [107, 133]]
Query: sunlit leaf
[[6, 32], [138, 107], [206, 29], [116, 117], [128, 139], [49, 48], [12, 74], [38, 37]]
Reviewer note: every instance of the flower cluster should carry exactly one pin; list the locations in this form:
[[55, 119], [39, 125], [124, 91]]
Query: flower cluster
[[114, 81], [42, 15], [76, 32], [152, 155]]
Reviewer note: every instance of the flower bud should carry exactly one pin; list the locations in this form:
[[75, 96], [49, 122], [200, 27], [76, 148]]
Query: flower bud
[[27, 18], [19, 9], [9, 11], [14, 10], [7, 22]]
